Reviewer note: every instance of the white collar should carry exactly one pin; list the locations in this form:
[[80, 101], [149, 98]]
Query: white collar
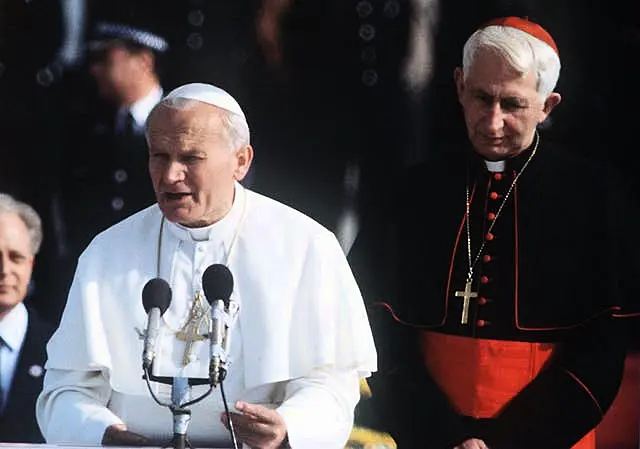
[[141, 109], [495, 166], [13, 327], [222, 230]]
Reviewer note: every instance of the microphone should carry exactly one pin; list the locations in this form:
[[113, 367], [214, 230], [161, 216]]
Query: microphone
[[217, 283], [156, 297]]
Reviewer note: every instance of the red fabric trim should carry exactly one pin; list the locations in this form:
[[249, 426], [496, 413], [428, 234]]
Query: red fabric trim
[[573, 326], [516, 238], [625, 315], [595, 401], [517, 288], [397, 319]]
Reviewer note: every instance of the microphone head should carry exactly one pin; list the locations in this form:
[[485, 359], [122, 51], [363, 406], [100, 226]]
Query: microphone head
[[217, 282], [156, 293]]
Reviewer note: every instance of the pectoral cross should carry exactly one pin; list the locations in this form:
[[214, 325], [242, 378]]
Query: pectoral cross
[[190, 332], [466, 295]]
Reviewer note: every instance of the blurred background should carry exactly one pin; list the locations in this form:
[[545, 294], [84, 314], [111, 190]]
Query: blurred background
[[339, 95]]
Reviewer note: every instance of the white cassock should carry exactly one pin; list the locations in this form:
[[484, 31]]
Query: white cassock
[[300, 345]]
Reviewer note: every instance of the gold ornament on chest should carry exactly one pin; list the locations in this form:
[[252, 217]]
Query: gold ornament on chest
[[195, 329], [198, 324], [466, 295]]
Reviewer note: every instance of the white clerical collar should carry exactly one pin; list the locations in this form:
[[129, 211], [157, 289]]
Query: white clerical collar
[[141, 109], [495, 166], [222, 230], [13, 327]]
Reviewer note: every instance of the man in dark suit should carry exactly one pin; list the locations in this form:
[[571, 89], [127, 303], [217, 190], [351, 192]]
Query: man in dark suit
[[107, 152], [23, 336]]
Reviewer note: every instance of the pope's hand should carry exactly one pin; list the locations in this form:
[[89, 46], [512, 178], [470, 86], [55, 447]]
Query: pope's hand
[[473, 443], [118, 435], [256, 426]]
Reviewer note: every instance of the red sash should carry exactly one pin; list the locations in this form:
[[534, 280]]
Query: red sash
[[481, 376]]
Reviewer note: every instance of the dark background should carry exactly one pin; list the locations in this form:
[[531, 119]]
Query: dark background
[[335, 98]]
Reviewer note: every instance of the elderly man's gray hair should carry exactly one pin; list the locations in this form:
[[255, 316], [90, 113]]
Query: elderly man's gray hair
[[28, 215]]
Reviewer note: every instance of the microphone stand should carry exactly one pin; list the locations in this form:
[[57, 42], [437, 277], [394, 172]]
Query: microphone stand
[[180, 395], [180, 403], [181, 391]]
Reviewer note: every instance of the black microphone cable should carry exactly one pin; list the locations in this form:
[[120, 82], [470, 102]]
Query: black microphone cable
[[232, 431]]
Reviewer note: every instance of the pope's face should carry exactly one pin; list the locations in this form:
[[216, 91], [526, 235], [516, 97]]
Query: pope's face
[[192, 166], [501, 107], [16, 261]]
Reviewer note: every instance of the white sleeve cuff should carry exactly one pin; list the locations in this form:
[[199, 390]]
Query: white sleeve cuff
[[318, 409]]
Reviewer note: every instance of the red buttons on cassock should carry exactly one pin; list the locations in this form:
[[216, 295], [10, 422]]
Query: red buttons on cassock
[[486, 258], [491, 216], [484, 279], [493, 195], [482, 301], [490, 236], [481, 323], [497, 176]]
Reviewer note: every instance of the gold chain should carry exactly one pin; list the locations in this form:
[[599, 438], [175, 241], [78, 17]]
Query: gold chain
[[199, 306], [473, 263], [199, 319]]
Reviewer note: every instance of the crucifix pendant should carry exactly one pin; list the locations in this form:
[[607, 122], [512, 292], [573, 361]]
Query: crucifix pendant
[[190, 332], [466, 296]]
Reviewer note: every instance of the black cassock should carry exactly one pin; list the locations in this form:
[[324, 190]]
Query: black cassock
[[540, 357]]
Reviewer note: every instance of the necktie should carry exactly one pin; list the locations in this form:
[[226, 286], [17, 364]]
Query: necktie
[[129, 125], [125, 138]]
